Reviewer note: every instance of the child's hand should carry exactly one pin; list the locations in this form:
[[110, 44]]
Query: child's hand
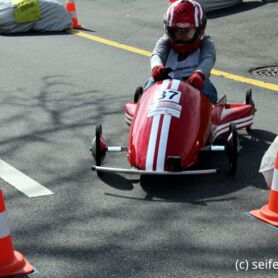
[[197, 80], [159, 73]]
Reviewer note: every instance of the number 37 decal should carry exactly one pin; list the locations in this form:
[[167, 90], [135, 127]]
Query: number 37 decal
[[170, 95]]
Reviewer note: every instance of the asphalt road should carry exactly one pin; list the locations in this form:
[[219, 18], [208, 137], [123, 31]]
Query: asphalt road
[[56, 87]]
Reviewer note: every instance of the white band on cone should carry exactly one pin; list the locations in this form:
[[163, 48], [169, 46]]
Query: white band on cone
[[274, 185], [4, 227]]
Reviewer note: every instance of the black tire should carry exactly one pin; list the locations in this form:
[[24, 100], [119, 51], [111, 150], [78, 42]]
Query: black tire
[[249, 100], [232, 146], [95, 149], [98, 153], [138, 93], [248, 96]]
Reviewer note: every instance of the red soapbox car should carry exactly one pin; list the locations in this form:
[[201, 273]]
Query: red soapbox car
[[171, 123]]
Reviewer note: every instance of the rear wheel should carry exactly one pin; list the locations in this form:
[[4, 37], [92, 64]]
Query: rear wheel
[[138, 93], [232, 146], [249, 100]]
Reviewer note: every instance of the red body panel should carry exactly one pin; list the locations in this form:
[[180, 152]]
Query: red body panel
[[222, 115], [171, 119]]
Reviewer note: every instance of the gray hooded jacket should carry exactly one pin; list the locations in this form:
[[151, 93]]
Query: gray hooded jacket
[[207, 56]]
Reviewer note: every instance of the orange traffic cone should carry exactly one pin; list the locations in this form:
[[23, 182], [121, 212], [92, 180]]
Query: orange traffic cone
[[11, 262], [269, 212], [70, 6]]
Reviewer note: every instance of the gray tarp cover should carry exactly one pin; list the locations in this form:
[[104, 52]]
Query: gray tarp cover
[[54, 17], [211, 5], [268, 162]]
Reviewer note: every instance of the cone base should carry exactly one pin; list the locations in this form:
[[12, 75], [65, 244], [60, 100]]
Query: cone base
[[18, 266], [77, 27], [266, 215], [76, 24]]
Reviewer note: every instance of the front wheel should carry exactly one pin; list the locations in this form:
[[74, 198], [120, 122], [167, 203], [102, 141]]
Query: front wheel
[[96, 150]]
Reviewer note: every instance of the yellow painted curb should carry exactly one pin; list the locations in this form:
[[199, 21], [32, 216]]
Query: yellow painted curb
[[254, 82], [250, 81]]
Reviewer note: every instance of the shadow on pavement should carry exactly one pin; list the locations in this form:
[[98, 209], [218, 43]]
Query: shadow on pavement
[[197, 189]]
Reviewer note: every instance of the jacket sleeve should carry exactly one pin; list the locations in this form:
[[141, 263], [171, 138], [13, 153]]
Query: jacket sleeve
[[160, 52], [207, 56]]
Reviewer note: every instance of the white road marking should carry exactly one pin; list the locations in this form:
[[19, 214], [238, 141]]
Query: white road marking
[[22, 182]]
